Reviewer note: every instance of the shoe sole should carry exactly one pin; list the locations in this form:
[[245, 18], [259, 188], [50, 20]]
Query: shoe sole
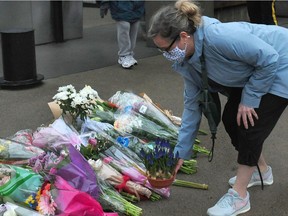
[[124, 66], [257, 183], [127, 67], [120, 62], [242, 211]]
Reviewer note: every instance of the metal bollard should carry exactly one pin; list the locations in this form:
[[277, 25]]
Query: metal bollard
[[19, 59]]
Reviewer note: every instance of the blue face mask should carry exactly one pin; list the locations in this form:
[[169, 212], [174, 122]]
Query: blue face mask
[[176, 55]]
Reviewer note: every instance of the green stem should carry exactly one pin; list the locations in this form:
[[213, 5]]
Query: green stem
[[183, 183]]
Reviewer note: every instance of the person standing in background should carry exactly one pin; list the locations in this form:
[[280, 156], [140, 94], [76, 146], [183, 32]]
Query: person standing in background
[[127, 15], [261, 12]]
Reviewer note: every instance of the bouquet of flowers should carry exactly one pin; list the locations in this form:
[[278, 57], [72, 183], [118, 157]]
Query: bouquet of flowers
[[160, 162], [23, 136], [57, 134], [62, 158], [70, 201], [145, 107], [69, 164], [95, 137], [98, 137], [19, 184], [111, 199], [13, 152], [129, 121], [136, 174], [119, 181], [104, 112], [77, 104], [57, 197]]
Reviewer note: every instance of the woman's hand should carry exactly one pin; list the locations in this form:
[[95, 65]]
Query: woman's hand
[[178, 165], [246, 114]]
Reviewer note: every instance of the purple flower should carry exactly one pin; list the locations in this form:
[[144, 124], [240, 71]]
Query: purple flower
[[37, 166], [161, 161]]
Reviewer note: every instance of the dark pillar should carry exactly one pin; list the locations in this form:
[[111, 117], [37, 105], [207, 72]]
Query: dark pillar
[[57, 14], [18, 53]]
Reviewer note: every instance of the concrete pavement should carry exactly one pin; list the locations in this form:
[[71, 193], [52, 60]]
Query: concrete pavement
[[27, 108], [92, 61]]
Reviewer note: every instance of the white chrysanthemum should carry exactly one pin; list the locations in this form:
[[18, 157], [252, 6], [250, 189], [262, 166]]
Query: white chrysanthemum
[[88, 92], [61, 96], [68, 88], [78, 100], [72, 95]]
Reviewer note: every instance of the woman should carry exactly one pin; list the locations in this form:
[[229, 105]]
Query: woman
[[249, 62]]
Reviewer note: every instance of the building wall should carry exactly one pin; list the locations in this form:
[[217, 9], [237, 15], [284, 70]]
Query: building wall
[[38, 15], [227, 11]]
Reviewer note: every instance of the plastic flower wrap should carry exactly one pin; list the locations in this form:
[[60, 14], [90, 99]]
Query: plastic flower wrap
[[97, 137], [94, 139], [13, 152], [104, 112], [145, 107], [135, 169], [129, 121], [61, 157], [19, 184], [69, 164], [72, 202], [14, 209], [111, 199], [57, 134], [23, 136], [136, 174], [134, 143], [119, 181], [125, 155], [163, 119]]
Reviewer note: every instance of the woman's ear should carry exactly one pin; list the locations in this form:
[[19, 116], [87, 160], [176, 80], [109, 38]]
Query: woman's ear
[[184, 35]]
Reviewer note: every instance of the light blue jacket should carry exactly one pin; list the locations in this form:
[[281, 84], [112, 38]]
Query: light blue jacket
[[237, 54]]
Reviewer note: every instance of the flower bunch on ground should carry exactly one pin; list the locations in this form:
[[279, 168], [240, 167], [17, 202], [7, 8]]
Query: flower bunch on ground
[[160, 162], [77, 104]]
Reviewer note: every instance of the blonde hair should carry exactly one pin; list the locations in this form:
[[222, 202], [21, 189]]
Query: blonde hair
[[170, 20]]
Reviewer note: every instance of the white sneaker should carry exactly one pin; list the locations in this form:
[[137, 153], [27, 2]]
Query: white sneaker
[[125, 62], [231, 204], [133, 60], [255, 179]]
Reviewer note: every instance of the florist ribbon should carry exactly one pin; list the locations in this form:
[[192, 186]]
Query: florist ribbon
[[123, 184]]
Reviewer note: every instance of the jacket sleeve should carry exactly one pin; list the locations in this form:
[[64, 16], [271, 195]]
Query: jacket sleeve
[[191, 119], [241, 45]]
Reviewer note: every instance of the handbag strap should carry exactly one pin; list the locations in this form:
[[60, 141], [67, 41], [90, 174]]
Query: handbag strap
[[203, 70], [205, 89]]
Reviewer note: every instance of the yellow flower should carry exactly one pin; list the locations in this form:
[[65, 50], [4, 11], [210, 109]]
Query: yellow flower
[[2, 148], [29, 200]]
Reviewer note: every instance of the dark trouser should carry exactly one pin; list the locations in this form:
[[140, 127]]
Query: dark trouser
[[260, 12], [249, 142]]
